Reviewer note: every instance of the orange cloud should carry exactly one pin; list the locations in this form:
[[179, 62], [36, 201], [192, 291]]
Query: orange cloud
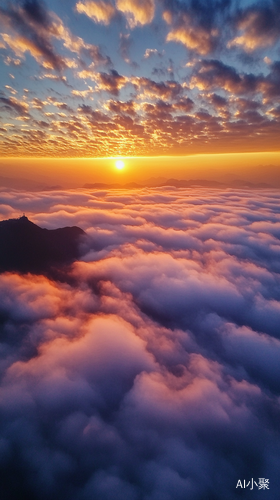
[[163, 90], [257, 33], [112, 82], [11, 89], [12, 103], [83, 93], [20, 45], [37, 39], [193, 37], [100, 12], [87, 73], [119, 107], [137, 12], [214, 74]]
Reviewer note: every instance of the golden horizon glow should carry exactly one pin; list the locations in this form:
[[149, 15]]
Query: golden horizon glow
[[153, 157], [77, 171]]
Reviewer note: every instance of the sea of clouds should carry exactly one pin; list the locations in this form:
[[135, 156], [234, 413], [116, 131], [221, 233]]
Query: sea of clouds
[[152, 371]]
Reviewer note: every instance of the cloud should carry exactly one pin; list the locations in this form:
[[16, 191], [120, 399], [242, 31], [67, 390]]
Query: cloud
[[36, 12], [33, 29], [14, 104], [166, 90], [231, 55], [42, 55], [10, 61], [111, 82], [156, 360], [215, 74], [137, 12], [119, 107], [183, 104], [76, 44], [270, 85], [197, 25], [194, 37], [162, 117], [100, 12], [259, 27], [31, 23], [152, 52], [196, 113], [125, 44]]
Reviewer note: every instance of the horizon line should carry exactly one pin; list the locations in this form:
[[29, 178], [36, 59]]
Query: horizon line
[[132, 157]]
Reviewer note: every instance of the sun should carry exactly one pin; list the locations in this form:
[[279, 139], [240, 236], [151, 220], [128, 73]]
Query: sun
[[119, 164]]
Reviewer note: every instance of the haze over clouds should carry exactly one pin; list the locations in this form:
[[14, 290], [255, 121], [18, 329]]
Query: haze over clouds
[[152, 371]]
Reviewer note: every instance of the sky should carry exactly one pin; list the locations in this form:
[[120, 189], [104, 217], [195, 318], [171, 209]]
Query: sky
[[130, 78], [152, 370]]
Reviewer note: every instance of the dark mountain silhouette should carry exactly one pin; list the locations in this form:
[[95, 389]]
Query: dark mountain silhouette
[[21, 183], [26, 247], [180, 183], [192, 183], [101, 185], [26, 184]]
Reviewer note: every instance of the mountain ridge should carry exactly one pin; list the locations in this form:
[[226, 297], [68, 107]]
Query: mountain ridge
[[26, 247], [180, 183]]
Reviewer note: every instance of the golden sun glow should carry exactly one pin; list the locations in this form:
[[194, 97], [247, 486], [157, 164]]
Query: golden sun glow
[[119, 164]]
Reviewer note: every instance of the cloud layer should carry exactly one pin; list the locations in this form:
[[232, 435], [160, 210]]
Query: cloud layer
[[152, 373]]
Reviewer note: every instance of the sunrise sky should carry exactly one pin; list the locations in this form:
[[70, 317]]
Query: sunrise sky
[[131, 78]]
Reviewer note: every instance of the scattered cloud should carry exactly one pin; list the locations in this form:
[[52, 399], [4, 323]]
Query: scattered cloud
[[259, 27], [231, 55], [31, 25], [165, 90], [120, 107], [14, 104], [125, 44], [33, 29], [137, 12], [111, 82], [194, 37], [152, 52], [215, 74], [100, 12]]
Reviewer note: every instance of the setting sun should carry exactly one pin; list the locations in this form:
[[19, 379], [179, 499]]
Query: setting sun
[[119, 164]]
